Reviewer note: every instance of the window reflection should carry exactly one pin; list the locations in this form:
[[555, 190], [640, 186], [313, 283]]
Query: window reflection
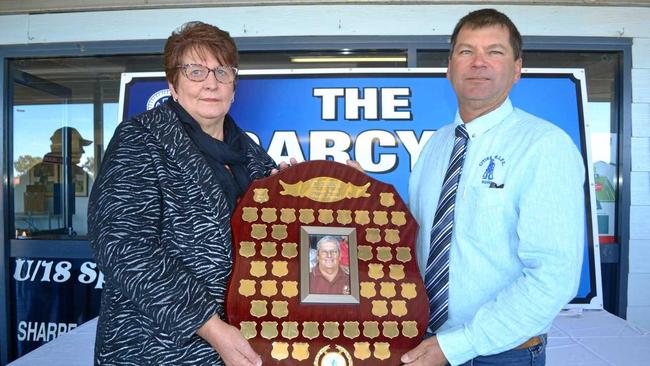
[[46, 156], [81, 94]]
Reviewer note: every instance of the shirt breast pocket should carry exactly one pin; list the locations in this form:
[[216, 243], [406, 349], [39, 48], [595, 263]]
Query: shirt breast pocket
[[481, 214]]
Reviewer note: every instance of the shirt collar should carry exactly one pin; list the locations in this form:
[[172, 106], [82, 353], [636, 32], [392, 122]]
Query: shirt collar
[[480, 125]]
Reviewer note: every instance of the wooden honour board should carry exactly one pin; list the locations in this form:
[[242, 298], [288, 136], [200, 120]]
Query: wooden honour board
[[385, 313]]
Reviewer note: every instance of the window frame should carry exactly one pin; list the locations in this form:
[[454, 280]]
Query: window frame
[[73, 249]]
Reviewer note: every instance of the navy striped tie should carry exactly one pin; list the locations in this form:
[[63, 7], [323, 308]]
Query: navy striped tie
[[437, 274]]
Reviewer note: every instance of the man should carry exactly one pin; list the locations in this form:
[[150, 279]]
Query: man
[[511, 210], [44, 184], [328, 275]]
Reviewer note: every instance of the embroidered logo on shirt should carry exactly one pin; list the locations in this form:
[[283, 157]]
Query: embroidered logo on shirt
[[491, 167]]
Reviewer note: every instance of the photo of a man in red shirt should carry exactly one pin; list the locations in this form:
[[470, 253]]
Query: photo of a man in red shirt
[[329, 276]]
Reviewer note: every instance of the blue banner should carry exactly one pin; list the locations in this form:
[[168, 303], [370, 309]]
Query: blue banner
[[381, 118], [53, 296]]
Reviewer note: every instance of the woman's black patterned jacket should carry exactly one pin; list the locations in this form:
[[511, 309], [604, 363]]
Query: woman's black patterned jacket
[[160, 231]]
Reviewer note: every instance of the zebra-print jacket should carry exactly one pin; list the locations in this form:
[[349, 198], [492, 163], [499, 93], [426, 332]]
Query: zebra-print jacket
[[159, 228]]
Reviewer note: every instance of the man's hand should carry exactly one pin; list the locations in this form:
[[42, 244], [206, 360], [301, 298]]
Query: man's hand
[[355, 164], [283, 165], [427, 353], [229, 343]]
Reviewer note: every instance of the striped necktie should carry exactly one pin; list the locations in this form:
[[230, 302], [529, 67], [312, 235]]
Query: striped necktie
[[437, 273]]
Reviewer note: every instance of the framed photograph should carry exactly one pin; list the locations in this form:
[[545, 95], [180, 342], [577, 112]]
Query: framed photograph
[[329, 270]]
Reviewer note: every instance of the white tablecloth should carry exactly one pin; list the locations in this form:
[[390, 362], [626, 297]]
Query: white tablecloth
[[590, 338]]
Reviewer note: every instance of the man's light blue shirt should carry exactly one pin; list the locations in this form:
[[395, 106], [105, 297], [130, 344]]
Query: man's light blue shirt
[[518, 236]]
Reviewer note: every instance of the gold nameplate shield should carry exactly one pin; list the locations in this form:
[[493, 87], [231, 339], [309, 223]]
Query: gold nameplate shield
[[269, 215], [269, 288], [289, 288], [386, 199], [280, 350], [351, 329], [258, 308], [396, 271], [325, 216], [280, 309], [247, 249], [409, 329], [380, 218], [362, 350], [279, 232], [247, 288], [258, 268], [390, 329], [370, 329], [287, 215], [398, 308], [306, 215], [368, 289], [290, 330], [408, 291], [300, 351], [310, 330], [384, 254], [398, 218], [280, 268], [361, 217], [258, 231], [269, 330], [364, 252], [260, 195], [343, 217], [331, 330], [382, 350], [249, 214], [372, 235], [289, 250], [387, 289], [379, 308], [375, 271], [247, 329], [403, 254], [391, 236], [268, 249]]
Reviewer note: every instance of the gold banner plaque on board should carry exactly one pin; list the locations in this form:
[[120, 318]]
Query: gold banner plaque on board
[[324, 189]]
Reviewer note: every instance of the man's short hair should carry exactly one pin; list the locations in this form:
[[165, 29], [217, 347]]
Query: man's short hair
[[486, 18], [328, 238]]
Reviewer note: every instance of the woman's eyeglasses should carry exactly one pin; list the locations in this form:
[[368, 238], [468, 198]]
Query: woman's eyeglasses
[[197, 72]]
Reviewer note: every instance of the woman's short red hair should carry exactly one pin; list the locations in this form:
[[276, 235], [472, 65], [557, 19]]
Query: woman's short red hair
[[198, 37]]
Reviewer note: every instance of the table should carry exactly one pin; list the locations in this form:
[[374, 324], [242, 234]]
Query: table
[[587, 338], [596, 338]]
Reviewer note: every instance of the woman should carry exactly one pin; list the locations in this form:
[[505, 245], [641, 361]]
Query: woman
[[160, 212]]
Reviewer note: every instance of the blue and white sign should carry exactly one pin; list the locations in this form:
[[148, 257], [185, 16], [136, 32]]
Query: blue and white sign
[[382, 118]]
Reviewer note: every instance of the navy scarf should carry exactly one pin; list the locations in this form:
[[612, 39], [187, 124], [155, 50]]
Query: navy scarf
[[230, 151]]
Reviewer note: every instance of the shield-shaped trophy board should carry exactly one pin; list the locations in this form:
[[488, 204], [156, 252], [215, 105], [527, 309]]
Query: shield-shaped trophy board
[[324, 269]]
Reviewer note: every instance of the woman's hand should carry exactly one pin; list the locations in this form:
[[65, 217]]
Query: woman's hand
[[229, 343], [283, 165]]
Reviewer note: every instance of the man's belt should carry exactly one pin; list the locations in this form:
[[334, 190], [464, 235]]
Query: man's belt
[[531, 342]]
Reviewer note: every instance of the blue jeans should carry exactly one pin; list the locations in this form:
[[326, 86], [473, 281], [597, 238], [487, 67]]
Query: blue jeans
[[532, 356]]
